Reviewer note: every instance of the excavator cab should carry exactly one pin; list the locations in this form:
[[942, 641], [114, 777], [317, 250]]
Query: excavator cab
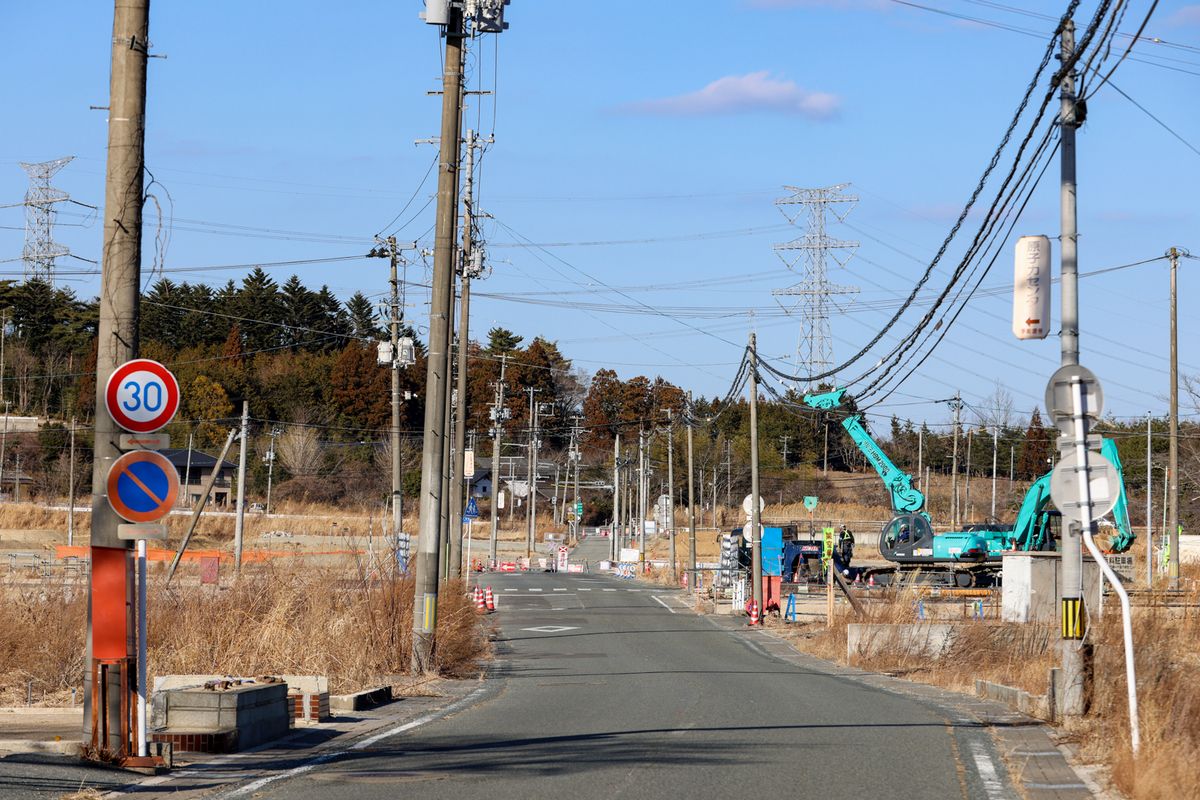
[[907, 537]]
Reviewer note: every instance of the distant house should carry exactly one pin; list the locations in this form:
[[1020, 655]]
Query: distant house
[[514, 476], [194, 467]]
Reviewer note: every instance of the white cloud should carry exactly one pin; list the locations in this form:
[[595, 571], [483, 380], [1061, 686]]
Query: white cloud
[[1188, 15], [736, 94]]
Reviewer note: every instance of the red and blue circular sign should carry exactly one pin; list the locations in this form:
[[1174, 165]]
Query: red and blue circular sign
[[141, 395], [142, 486]]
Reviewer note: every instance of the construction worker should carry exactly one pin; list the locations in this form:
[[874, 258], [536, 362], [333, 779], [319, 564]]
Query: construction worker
[[845, 546]]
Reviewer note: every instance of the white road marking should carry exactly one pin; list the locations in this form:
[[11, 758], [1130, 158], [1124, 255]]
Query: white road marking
[[552, 628], [608, 590], [560, 590], [254, 786], [510, 590], [987, 772], [661, 603], [585, 590], [633, 590], [534, 590]]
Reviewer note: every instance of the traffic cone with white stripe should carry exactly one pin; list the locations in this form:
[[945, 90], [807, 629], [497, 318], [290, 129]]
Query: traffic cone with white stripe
[[753, 613], [489, 599], [871, 582], [479, 604]]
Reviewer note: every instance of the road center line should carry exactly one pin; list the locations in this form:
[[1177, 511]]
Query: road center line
[[661, 603]]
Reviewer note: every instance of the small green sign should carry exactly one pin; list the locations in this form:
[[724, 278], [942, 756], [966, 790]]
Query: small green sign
[[579, 509], [810, 502]]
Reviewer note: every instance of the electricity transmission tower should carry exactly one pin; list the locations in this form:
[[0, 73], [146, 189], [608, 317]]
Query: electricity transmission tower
[[809, 255], [40, 247]]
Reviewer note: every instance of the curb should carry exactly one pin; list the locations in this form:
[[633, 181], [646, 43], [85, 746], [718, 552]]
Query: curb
[[62, 747]]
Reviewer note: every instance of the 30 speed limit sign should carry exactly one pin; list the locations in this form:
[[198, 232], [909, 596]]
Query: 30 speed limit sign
[[141, 396]]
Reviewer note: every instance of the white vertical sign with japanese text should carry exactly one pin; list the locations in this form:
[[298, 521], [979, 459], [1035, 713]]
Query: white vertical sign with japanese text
[[1031, 288]]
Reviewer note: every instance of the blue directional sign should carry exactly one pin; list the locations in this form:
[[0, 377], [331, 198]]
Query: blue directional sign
[[472, 511], [142, 486]]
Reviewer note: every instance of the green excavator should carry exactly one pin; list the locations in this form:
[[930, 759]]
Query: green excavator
[[972, 556]]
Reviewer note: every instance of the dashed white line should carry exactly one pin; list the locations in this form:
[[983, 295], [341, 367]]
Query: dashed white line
[[510, 590], [534, 590], [560, 590], [987, 772], [661, 603], [608, 590], [585, 590]]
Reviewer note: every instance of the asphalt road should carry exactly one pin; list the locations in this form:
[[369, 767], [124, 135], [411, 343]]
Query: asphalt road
[[608, 689]]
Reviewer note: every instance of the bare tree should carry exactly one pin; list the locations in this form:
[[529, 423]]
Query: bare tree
[[997, 409], [300, 450]]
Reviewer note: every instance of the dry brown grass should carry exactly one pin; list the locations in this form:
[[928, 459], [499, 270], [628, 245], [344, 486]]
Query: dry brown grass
[[272, 620], [1167, 644]]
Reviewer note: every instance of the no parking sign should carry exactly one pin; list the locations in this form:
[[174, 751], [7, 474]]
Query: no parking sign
[[142, 486], [141, 395]]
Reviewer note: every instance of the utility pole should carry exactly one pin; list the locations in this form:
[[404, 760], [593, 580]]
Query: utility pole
[[1173, 452], [110, 683], [397, 447], [643, 488], [1149, 510], [1076, 659], [614, 533], [467, 270], [671, 493], [187, 472], [921, 455], [497, 430], [531, 505], [995, 451], [728, 475], [437, 383], [825, 459], [967, 491], [239, 525], [271, 468], [691, 503], [71, 489], [755, 534], [956, 406], [785, 450]]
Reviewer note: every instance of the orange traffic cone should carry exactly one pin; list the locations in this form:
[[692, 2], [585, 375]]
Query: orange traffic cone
[[753, 613], [871, 581], [479, 604], [489, 599]]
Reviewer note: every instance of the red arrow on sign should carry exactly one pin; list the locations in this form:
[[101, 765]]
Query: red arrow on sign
[[1033, 322]]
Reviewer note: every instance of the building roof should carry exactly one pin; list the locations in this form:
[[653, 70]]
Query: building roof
[[199, 459]]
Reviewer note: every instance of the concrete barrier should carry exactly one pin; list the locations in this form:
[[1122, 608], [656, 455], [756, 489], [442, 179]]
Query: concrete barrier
[[221, 720], [1039, 706], [361, 701], [928, 639]]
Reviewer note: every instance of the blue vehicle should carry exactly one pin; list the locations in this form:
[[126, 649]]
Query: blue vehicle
[[972, 556]]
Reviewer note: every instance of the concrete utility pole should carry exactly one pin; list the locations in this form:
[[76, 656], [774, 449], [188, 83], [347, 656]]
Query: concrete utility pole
[[1076, 657], [531, 504], [437, 383], [755, 534], [671, 494], [239, 525], [467, 271], [71, 489], [614, 532], [995, 451], [641, 503], [691, 500], [1149, 509], [397, 447], [956, 407], [921, 456], [1173, 452], [497, 429], [275, 432], [967, 490], [109, 685]]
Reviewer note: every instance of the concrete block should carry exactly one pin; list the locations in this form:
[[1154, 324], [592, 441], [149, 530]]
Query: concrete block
[[253, 713], [929, 639], [1031, 591], [361, 701]]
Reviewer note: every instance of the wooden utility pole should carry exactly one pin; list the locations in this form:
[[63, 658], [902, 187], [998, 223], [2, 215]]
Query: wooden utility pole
[[109, 685], [437, 382]]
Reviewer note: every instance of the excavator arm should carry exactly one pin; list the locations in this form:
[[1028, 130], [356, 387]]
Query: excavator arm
[[905, 499], [1124, 537]]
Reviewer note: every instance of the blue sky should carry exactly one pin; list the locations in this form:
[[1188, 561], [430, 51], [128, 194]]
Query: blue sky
[[627, 121]]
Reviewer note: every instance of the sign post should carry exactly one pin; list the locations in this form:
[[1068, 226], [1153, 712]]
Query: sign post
[[141, 396]]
